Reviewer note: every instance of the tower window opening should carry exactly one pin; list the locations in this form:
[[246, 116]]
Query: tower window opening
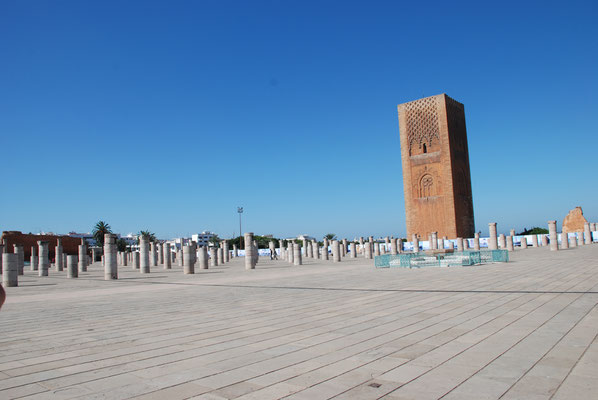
[[424, 148]]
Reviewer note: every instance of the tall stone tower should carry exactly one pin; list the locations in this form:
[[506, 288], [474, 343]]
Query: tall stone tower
[[435, 159]]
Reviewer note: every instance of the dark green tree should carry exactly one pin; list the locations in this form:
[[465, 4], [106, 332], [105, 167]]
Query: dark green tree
[[533, 231], [146, 234], [121, 244], [99, 230], [330, 236]]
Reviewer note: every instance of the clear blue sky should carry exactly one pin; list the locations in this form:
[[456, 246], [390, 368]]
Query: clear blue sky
[[167, 115]]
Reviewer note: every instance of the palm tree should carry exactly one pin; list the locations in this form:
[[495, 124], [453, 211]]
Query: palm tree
[[146, 234], [99, 230], [330, 236]]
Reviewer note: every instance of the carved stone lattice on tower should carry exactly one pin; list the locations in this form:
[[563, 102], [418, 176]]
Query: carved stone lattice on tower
[[435, 160]]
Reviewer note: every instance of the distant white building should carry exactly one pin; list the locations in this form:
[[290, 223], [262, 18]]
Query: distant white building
[[203, 239]]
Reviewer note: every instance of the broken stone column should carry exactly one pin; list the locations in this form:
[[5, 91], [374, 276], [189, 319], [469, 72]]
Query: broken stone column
[[393, 247], [144, 255], [152, 254], [564, 240], [310, 250], [315, 249], [553, 236], [400, 245], [202, 258], [572, 241], [250, 260], [44, 259], [434, 241], [188, 265], [544, 240], [587, 233], [367, 250], [297, 254], [344, 248], [110, 262], [523, 242], [502, 242], [34, 263], [476, 241], [325, 250], [135, 263], [160, 248], [10, 269], [81, 258], [220, 255], [415, 242], [459, 244], [214, 256], [376, 248], [510, 246], [226, 251], [534, 240], [58, 251], [18, 250], [167, 256], [235, 251], [465, 244], [290, 251], [336, 251], [580, 238], [71, 267], [493, 240], [353, 250], [512, 232], [125, 258]]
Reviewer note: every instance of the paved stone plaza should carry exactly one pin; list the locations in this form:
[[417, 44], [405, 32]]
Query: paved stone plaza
[[526, 330]]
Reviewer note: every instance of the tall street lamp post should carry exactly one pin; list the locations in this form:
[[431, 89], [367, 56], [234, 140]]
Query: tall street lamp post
[[240, 211]]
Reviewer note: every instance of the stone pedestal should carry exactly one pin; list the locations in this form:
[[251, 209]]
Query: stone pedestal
[[110, 262], [510, 246], [188, 260], [553, 236], [336, 251], [250, 260], [493, 239], [44, 260], [353, 250], [144, 255], [58, 252], [10, 269], [297, 255], [71, 267]]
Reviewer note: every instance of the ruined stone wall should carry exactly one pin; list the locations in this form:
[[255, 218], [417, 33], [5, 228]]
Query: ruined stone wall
[[70, 244]]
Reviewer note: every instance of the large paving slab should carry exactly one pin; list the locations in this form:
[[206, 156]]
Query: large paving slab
[[526, 329]]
